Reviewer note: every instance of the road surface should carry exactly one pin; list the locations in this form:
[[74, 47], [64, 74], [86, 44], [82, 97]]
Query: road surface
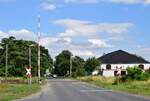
[[70, 90]]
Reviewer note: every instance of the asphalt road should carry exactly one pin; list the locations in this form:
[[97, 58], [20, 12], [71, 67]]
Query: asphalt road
[[70, 90]]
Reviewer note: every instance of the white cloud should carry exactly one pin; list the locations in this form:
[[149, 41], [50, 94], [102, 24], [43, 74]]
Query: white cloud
[[82, 37], [22, 34], [147, 1], [99, 43], [48, 6], [89, 29], [19, 34], [88, 37], [83, 53], [3, 35], [114, 28], [127, 1], [47, 41], [109, 1], [71, 22], [131, 1], [81, 1], [143, 51]]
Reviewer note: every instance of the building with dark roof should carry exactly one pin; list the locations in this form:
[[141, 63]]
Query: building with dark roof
[[118, 61]]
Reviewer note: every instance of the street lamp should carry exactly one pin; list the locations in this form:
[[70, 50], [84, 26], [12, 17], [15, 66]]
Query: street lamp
[[0, 77], [53, 64], [6, 69], [6, 61], [32, 45]]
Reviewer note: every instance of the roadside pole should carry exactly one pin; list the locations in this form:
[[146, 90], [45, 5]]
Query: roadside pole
[[118, 74], [6, 64], [30, 63], [39, 74], [70, 66], [0, 60], [28, 74]]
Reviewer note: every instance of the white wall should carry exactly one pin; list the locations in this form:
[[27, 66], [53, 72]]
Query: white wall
[[110, 73], [124, 66]]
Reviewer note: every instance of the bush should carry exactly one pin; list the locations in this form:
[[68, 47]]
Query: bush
[[137, 73], [145, 76], [148, 71]]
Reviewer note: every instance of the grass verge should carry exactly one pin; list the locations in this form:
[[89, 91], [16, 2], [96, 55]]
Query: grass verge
[[134, 87], [14, 91]]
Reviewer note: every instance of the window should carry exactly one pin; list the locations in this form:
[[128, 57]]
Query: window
[[115, 73], [108, 66], [123, 73], [141, 66]]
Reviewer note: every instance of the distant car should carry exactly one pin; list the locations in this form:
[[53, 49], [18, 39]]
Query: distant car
[[94, 73], [54, 76]]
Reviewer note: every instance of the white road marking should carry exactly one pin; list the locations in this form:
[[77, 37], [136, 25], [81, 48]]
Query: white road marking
[[95, 91]]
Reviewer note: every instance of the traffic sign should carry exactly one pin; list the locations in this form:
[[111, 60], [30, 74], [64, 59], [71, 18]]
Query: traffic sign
[[28, 74]]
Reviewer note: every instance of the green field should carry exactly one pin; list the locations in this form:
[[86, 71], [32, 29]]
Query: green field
[[135, 87]]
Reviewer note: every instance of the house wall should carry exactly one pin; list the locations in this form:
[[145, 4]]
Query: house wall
[[110, 73]]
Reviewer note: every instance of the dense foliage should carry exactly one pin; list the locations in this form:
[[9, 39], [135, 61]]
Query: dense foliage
[[79, 66], [18, 55], [62, 63], [91, 64], [136, 73], [18, 60]]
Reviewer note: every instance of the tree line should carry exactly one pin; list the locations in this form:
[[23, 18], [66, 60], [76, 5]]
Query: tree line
[[80, 67], [18, 60], [18, 57]]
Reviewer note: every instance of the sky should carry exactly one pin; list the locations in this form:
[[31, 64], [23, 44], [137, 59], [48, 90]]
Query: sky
[[85, 27]]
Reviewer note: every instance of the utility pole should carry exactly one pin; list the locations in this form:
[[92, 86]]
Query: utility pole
[[53, 64], [29, 81], [6, 62], [70, 66], [39, 74], [29, 56]]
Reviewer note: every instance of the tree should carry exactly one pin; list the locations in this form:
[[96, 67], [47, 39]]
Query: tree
[[78, 66], [62, 64], [91, 64], [18, 57]]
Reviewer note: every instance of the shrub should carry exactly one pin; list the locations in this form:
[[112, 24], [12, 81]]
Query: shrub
[[145, 76], [79, 72], [148, 71], [136, 73]]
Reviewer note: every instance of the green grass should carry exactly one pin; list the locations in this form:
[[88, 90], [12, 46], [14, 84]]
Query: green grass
[[135, 87], [15, 91]]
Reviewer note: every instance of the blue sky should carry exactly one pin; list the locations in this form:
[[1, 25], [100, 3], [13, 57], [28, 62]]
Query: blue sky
[[86, 27]]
